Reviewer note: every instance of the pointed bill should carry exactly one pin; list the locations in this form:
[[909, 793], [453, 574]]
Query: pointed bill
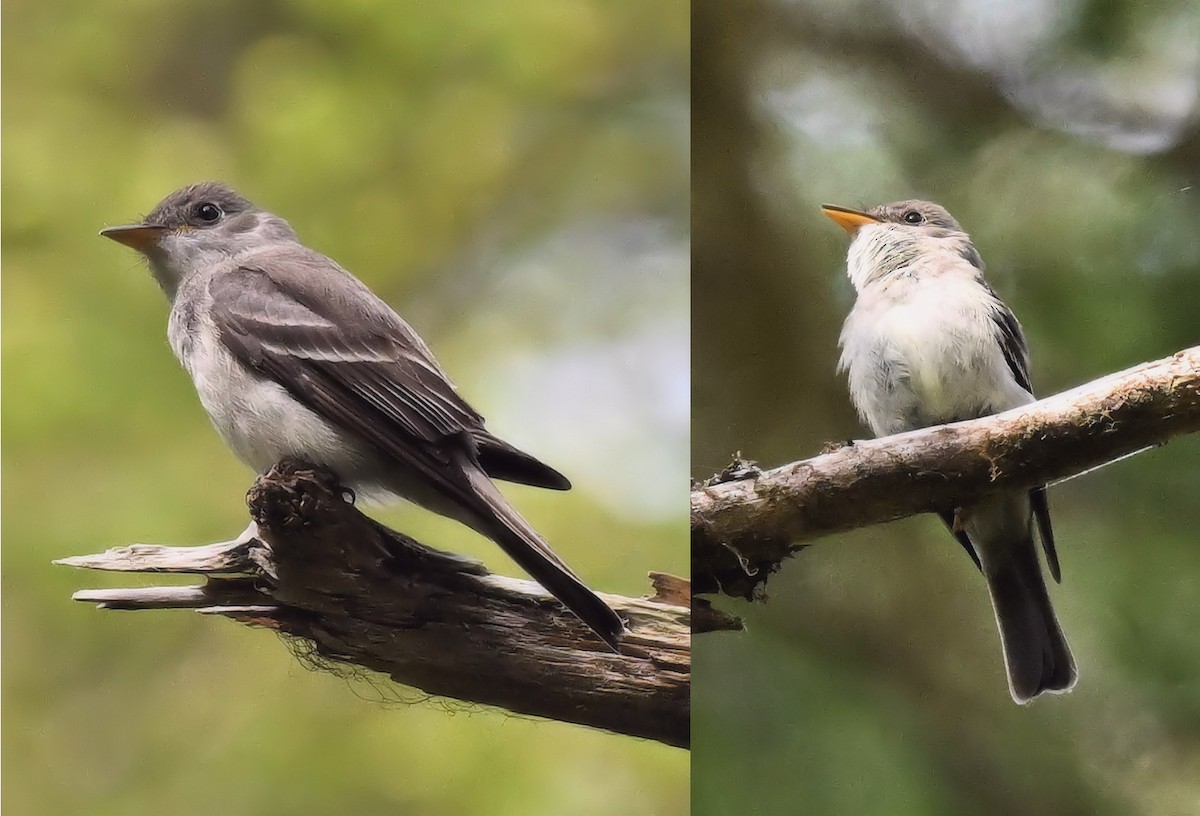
[[138, 236], [849, 220]]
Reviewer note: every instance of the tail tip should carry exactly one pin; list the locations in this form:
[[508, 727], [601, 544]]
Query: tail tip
[[1055, 683], [611, 631]]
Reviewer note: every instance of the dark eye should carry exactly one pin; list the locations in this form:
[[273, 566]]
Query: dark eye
[[913, 217], [208, 212]]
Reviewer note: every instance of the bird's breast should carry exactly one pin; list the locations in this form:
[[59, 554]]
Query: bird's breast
[[923, 353], [259, 419], [929, 351]]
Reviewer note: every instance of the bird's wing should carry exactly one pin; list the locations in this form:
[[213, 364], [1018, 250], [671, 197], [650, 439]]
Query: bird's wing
[[1012, 341], [948, 517], [1041, 511], [1016, 354], [278, 314], [346, 355], [501, 460]]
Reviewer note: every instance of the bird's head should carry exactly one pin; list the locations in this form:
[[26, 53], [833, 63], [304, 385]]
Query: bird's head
[[891, 237], [195, 228]]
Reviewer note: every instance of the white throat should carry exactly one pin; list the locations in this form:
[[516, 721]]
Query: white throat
[[878, 251]]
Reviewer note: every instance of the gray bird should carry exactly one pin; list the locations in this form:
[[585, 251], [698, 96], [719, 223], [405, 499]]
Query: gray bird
[[930, 342], [292, 356]]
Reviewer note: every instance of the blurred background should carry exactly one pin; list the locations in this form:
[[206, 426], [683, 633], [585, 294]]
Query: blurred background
[[1064, 136], [514, 179]]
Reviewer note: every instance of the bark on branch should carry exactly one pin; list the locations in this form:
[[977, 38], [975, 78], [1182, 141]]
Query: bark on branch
[[366, 595], [746, 521]]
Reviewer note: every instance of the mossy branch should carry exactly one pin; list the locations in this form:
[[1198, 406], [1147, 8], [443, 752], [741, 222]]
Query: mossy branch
[[746, 521]]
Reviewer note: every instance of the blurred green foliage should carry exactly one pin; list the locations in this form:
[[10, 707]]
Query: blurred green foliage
[[1065, 138], [514, 177]]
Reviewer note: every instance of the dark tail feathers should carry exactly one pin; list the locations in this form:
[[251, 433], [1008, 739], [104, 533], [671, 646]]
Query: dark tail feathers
[[562, 584], [507, 528], [1035, 651]]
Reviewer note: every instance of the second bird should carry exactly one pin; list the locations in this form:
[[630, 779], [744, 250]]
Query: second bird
[[294, 357], [929, 342]]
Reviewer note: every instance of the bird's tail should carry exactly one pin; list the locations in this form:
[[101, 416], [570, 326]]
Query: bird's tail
[[523, 544], [1036, 654]]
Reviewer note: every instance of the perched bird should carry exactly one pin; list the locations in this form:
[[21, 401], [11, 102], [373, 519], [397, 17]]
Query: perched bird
[[930, 342], [294, 357]]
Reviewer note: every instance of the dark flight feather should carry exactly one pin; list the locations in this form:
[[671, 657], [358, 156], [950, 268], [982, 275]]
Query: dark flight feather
[[1016, 354]]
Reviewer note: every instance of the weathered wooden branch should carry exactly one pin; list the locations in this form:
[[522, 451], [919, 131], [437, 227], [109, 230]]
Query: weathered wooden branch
[[746, 521], [365, 595]]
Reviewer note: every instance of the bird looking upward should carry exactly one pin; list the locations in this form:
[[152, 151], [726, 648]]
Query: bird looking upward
[[928, 342]]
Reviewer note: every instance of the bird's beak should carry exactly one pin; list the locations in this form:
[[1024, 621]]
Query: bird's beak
[[849, 220], [142, 237]]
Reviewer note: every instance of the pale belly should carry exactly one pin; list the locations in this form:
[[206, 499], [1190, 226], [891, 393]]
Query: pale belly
[[946, 367], [260, 421], [927, 360]]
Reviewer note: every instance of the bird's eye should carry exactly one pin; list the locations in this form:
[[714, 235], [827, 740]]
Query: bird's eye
[[208, 212], [913, 217]]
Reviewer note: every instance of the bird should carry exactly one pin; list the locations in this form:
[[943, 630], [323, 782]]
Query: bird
[[294, 357], [928, 342]]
